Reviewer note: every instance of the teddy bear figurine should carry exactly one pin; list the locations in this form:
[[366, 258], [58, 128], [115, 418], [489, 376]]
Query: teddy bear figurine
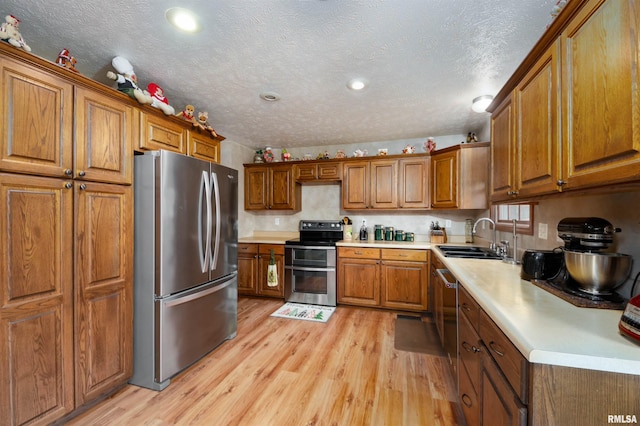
[[203, 118], [9, 33], [65, 60], [158, 100], [187, 114], [127, 80]]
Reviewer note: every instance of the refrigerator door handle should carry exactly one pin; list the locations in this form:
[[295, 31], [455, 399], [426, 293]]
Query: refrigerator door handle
[[216, 194], [205, 252], [197, 295]]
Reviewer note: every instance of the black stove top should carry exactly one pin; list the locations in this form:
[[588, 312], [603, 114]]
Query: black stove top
[[318, 233]]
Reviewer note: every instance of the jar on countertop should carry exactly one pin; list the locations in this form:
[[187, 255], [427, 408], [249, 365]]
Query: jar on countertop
[[399, 235], [388, 233], [379, 232]]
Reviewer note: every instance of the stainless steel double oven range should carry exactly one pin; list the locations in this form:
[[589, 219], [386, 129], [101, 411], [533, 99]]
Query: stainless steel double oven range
[[310, 263]]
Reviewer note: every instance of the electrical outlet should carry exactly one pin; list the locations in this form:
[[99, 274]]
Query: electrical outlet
[[277, 220], [542, 231], [447, 224]]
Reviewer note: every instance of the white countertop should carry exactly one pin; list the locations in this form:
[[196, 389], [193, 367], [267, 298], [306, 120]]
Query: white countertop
[[545, 328]]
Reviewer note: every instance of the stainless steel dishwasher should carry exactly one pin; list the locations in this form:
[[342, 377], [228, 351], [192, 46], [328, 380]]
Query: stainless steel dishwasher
[[446, 315]]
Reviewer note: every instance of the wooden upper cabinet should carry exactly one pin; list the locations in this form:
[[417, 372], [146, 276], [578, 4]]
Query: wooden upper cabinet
[[600, 89], [355, 185], [203, 147], [502, 151], [460, 176], [271, 188], [37, 120], [322, 172], [105, 129], [157, 132], [538, 140], [413, 183]]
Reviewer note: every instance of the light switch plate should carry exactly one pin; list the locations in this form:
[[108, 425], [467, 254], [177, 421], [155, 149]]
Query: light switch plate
[[542, 231]]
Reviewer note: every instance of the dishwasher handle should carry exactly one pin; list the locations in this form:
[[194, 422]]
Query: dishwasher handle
[[446, 280]]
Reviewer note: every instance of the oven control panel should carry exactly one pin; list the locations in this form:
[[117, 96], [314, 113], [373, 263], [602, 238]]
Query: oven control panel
[[325, 225]]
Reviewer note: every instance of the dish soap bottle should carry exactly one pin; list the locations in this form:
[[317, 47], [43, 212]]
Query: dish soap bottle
[[363, 232]]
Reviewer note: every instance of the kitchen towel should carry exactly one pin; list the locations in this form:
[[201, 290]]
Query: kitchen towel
[[300, 311]]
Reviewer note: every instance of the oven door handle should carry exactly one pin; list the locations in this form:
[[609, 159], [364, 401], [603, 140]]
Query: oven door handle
[[307, 268]]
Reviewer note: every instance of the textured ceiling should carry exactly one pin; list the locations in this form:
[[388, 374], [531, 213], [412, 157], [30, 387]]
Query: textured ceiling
[[424, 60]]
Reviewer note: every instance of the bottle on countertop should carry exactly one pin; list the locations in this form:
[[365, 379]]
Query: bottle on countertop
[[364, 235], [468, 231]]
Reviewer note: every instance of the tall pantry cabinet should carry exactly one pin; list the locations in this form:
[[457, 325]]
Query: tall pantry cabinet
[[66, 229]]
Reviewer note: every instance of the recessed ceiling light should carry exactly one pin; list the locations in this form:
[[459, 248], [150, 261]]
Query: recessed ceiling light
[[270, 96], [357, 84], [182, 19]]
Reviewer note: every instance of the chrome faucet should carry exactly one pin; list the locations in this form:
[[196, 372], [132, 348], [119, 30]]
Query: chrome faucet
[[493, 244]]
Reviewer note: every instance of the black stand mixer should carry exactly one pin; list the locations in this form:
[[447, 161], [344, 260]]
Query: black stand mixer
[[590, 236]]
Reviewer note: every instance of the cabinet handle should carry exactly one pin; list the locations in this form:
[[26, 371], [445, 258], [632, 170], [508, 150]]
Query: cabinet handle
[[81, 173], [83, 187], [512, 193], [403, 255], [466, 400], [68, 172], [495, 347], [357, 252], [468, 347], [466, 307], [68, 185]]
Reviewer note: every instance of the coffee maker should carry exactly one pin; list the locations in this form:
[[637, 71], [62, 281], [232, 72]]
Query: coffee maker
[[589, 235]]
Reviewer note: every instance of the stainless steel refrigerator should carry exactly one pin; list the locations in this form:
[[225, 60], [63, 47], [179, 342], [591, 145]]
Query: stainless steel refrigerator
[[185, 263]]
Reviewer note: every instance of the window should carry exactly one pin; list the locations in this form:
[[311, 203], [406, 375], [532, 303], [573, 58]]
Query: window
[[504, 214]]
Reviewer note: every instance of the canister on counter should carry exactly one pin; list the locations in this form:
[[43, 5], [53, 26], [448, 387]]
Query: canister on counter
[[399, 235], [388, 233], [409, 236], [379, 231]]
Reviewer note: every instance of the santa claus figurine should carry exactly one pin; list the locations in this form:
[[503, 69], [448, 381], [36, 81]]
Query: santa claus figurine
[[9, 33], [159, 100]]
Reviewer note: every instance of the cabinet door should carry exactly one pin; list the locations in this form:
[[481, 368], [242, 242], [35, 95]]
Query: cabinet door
[[247, 268], [413, 186], [306, 172], [284, 192], [355, 185], [384, 184], [404, 285], [601, 98], [499, 404], [161, 133], [359, 281], [36, 110], [104, 288], [104, 138], [256, 187], [263, 265], [538, 139], [502, 152], [203, 147], [445, 180], [330, 171], [36, 299]]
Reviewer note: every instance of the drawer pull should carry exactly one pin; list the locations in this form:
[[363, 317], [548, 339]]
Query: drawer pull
[[403, 255], [467, 347], [466, 307], [466, 400], [357, 252], [496, 348]]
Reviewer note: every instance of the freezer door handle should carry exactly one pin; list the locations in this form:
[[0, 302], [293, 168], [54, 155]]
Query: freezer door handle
[[216, 194], [197, 295], [205, 246]]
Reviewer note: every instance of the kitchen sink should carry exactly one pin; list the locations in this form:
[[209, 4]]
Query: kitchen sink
[[469, 252]]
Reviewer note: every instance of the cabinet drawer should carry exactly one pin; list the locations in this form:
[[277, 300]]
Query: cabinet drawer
[[468, 399], [400, 254], [266, 248], [511, 362], [247, 248], [359, 252], [469, 350], [331, 171], [469, 307]]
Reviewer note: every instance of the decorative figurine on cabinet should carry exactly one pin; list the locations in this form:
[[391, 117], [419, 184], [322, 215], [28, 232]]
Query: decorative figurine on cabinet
[[9, 33], [203, 118], [127, 80], [158, 100], [65, 60], [430, 145], [187, 114]]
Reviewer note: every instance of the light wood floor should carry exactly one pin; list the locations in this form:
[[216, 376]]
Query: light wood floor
[[291, 372]]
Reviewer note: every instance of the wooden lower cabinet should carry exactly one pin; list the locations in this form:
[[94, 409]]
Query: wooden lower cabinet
[[388, 278], [253, 262], [66, 277], [500, 404]]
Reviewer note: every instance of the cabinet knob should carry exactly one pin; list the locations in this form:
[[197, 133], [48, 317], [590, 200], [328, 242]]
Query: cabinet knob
[[83, 187], [466, 400], [68, 172], [512, 193], [561, 182], [81, 173], [68, 185]]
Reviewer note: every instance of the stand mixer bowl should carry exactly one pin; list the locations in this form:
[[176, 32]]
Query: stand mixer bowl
[[598, 273]]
